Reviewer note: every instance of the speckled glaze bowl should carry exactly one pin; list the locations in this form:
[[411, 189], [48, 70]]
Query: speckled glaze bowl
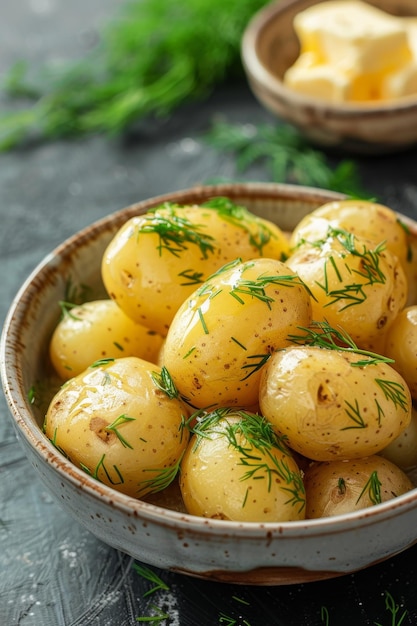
[[154, 531], [270, 46]]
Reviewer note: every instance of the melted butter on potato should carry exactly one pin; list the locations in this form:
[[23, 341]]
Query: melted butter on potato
[[156, 260], [329, 407], [236, 468], [339, 487], [118, 423], [225, 332], [99, 330]]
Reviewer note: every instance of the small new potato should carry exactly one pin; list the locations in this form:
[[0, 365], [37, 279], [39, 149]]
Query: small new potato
[[99, 330], [156, 260], [401, 345], [355, 284], [339, 487], [225, 332], [370, 220], [236, 468], [329, 406], [120, 423], [403, 450]]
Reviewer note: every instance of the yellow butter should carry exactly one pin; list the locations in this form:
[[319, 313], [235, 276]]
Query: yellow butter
[[318, 80], [403, 82], [352, 51], [353, 35]]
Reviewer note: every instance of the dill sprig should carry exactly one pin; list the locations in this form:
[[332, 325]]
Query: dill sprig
[[372, 488], [322, 335], [256, 288], [394, 391], [161, 479], [175, 231], [159, 616], [151, 58], [257, 230], [150, 575], [163, 380], [287, 154], [101, 466], [393, 608], [114, 427]]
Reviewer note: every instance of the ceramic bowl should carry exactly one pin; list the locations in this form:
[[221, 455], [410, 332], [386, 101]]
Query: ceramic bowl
[[158, 532], [270, 46]]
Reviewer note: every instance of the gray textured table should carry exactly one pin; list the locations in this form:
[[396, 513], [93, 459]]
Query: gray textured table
[[52, 571]]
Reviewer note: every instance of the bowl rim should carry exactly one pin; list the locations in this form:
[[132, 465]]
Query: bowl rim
[[26, 427], [262, 75]]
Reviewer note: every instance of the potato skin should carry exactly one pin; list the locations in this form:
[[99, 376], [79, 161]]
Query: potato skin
[[401, 345], [115, 422], [329, 408], [99, 330], [403, 450], [339, 487], [226, 330], [156, 260], [371, 220], [240, 470], [356, 284]]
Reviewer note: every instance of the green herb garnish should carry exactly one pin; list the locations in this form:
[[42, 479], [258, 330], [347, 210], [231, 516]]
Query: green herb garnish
[[165, 383], [259, 234], [154, 56], [102, 466], [161, 479], [372, 488], [287, 154], [115, 428], [150, 575], [323, 335], [175, 231]]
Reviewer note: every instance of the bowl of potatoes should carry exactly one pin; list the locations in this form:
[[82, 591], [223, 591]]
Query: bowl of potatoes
[[344, 72], [220, 381]]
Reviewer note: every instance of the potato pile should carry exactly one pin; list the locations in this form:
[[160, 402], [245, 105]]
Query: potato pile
[[270, 375]]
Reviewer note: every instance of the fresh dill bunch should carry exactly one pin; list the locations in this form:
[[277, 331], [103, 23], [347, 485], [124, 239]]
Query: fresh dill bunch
[[288, 155], [154, 56]]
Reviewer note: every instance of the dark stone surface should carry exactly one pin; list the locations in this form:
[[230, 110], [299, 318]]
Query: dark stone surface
[[52, 571]]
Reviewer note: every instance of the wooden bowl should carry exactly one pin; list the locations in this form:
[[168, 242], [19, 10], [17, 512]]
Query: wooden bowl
[[270, 46]]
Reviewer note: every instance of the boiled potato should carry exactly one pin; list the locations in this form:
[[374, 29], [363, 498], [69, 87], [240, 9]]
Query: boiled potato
[[329, 406], [98, 330], [339, 487], [355, 284], [411, 268], [236, 468], [403, 450], [156, 260], [121, 422], [370, 220], [401, 345], [225, 332]]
